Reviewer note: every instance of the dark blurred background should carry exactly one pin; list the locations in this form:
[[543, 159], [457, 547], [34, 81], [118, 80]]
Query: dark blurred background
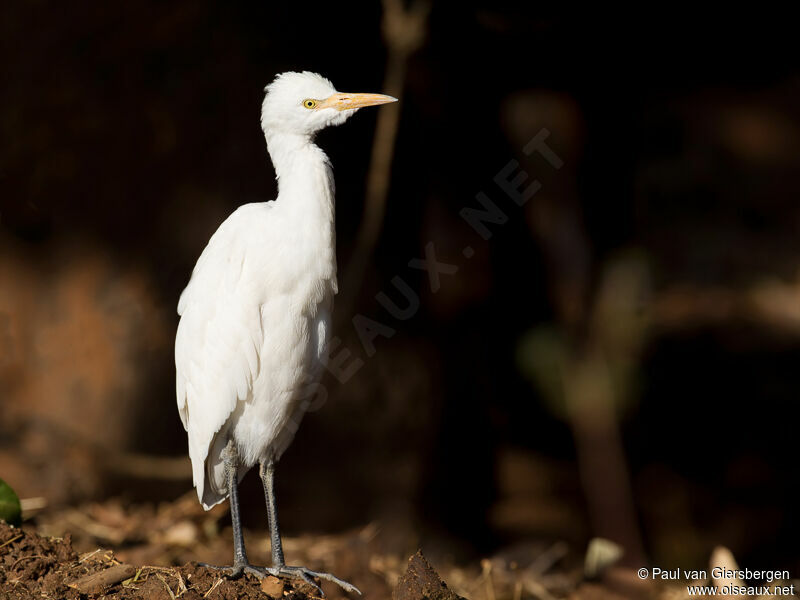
[[619, 359]]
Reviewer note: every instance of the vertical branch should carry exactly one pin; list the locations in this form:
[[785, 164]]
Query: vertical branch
[[601, 368], [404, 32], [590, 400], [598, 331]]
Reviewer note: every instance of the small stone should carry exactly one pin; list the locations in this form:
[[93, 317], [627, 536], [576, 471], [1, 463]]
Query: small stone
[[272, 587], [601, 555]]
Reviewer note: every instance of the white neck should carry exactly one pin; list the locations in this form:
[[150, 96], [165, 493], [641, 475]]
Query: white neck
[[305, 191], [303, 171]]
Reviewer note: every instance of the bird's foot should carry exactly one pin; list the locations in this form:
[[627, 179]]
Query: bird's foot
[[309, 576], [286, 572], [237, 570]]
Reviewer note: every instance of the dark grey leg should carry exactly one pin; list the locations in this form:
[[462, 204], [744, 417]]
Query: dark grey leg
[[240, 563], [267, 472], [279, 569], [231, 472]]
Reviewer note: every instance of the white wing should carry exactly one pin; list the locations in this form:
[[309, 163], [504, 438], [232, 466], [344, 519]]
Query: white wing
[[218, 342]]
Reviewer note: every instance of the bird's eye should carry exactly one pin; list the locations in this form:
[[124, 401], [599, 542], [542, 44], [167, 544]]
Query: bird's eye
[[310, 103]]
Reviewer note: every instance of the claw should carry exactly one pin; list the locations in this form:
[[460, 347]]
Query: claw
[[307, 575], [238, 570], [232, 572]]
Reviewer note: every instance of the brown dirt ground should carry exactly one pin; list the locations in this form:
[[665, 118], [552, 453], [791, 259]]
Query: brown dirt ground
[[39, 567], [34, 566], [59, 558]]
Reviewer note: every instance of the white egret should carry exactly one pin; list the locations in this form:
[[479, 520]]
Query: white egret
[[255, 316]]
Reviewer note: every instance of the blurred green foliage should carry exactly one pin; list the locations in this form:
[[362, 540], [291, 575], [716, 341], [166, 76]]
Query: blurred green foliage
[[10, 509]]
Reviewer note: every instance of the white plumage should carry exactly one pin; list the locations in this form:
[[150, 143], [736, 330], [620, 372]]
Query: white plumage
[[255, 316]]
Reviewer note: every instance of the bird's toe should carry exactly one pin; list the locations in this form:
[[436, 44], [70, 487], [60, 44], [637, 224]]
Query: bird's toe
[[308, 576], [348, 587], [238, 570], [231, 571], [258, 572]]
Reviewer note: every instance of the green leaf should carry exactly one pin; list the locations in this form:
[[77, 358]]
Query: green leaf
[[543, 357], [10, 509]]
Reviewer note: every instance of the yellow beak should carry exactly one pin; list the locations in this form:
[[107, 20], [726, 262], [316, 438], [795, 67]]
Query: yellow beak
[[344, 101]]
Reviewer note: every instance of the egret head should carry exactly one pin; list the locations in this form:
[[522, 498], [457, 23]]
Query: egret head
[[303, 103]]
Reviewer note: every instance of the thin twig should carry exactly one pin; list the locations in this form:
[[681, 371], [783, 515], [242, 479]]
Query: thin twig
[[213, 587], [182, 589], [545, 561], [169, 570], [12, 540], [88, 555], [32, 504], [19, 560], [135, 579], [166, 585]]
